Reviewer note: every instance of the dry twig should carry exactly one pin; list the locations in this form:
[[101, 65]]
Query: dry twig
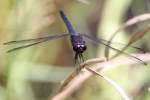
[[76, 82]]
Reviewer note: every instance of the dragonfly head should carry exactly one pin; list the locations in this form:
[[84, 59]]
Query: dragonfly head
[[79, 48]]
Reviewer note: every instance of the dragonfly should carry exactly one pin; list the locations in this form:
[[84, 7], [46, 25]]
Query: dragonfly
[[77, 40]]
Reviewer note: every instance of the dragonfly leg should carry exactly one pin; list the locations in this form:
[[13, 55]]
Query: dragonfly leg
[[75, 58], [78, 58], [81, 57]]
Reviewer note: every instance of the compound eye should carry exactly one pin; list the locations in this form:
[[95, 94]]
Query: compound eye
[[83, 47], [76, 47]]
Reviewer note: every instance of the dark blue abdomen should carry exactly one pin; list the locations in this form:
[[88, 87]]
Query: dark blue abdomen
[[67, 22]]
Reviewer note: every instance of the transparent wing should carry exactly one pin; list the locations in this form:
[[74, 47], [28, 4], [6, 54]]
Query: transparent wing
[[101, 41], [134, 37], [117, 43], [34, 41]]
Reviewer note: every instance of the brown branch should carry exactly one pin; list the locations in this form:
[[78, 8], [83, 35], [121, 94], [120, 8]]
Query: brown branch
[[76, 82]]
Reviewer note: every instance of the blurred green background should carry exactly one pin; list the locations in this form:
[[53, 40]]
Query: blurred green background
[[36, 72]]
